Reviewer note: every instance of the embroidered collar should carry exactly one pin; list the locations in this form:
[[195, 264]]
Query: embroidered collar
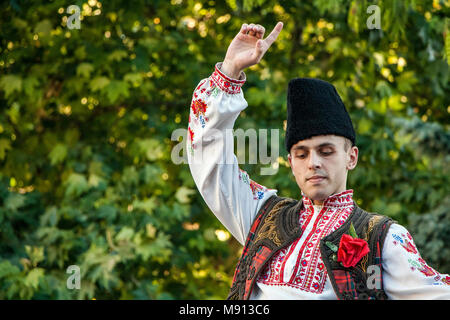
[[300, 265], [338, 200]]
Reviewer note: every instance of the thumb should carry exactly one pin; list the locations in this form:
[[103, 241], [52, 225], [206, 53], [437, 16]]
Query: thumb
[[259, 47]]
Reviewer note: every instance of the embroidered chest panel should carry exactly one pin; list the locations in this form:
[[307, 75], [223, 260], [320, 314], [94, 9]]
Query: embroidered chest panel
[[300, 265]]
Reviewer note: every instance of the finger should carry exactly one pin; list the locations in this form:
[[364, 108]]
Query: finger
[[251, 29], [260, 48], [274, 34], [244, 28], [260, 31]]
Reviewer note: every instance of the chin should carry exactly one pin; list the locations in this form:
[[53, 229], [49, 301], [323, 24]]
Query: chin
[[318, 195]]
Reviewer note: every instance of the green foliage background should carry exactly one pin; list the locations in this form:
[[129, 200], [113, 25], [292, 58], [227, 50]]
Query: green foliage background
[[86, 118]]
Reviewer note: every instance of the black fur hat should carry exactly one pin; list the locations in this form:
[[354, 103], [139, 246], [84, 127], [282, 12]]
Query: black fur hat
[[314, 108]]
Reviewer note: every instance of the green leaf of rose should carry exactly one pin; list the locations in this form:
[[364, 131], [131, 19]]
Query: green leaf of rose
[[332, 246], [352, 231]]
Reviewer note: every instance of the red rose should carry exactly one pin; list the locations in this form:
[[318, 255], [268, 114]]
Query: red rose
[[351, 250]]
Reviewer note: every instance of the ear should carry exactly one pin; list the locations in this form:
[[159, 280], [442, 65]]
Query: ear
[[352, 159]]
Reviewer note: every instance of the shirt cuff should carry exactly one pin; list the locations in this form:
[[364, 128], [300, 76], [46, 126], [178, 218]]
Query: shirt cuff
[[225, 83]]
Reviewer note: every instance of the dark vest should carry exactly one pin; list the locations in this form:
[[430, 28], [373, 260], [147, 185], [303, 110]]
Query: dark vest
[[277, 225]]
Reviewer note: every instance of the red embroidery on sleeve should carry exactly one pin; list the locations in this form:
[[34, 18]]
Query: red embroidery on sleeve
[[409, 246], [199, 107], [191, 134], [227, 84]]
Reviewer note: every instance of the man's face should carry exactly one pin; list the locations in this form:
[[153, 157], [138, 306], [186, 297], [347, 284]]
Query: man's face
[[326, 157]]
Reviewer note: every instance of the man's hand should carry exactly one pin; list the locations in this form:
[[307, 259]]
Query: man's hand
[[248, 47]]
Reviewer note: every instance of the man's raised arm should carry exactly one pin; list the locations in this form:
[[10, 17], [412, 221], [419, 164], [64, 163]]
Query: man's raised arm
[[217, 101]]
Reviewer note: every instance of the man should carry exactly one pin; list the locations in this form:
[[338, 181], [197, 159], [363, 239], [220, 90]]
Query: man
[[321, 246]]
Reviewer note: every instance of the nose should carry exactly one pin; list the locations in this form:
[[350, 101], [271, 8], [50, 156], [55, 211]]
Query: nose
[[314, 161]]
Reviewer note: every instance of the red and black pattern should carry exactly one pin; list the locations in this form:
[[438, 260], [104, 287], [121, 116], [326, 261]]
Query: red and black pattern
[[249, 240], [345, 283], [258, 261]]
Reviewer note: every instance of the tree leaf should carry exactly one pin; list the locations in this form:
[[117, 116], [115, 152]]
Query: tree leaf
[[58, 154], [125, 234], [29, 85], [11, 83], [43, 27], [33, 277], [151, 148], [76, 184], [117, 55], [14, 201], [5, 144], [147, 205], [84, 69], [183, 193], [99, 83], [134, 78], [115, 89], [7, 269]]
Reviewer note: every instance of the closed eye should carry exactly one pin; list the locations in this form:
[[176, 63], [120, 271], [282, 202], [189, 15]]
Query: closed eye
[[302, 156]]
